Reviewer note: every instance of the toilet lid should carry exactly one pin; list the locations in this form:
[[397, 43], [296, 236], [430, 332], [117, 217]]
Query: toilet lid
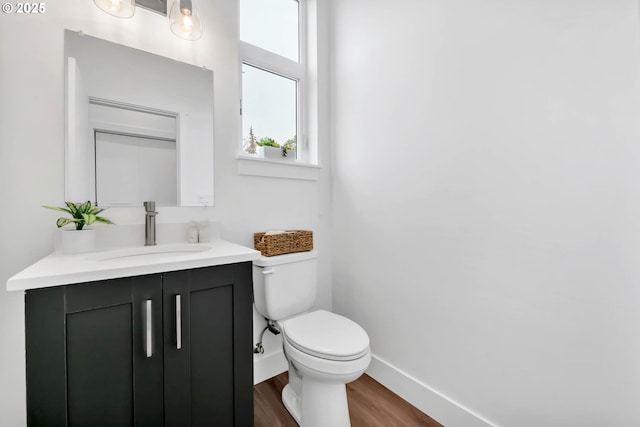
[[327, 335]]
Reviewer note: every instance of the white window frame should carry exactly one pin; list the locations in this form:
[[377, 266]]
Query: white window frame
[[266, 60]]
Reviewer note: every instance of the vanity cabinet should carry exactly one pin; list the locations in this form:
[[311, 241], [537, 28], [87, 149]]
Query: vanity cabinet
[[166, 349]]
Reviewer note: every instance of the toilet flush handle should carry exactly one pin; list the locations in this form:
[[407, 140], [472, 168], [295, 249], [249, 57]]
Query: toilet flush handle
[[268, 271]]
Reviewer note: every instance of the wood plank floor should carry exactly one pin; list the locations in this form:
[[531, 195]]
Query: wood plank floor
[[370, 405]]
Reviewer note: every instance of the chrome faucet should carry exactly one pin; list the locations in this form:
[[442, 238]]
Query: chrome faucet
[[150, 223]]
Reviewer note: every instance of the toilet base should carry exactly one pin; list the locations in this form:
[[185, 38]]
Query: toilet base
[[292, 403], [316, 395], [324, 404]]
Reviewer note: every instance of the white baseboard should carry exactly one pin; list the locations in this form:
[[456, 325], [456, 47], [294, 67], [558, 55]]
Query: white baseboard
[[431, 402], [266, 366]]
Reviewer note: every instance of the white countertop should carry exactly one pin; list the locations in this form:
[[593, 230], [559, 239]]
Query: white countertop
[[64, 269]]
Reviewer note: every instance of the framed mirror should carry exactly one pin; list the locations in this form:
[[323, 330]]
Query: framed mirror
[[138, 126]]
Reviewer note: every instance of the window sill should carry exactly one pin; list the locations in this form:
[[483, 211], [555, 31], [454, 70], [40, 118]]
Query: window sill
[[257, 166]]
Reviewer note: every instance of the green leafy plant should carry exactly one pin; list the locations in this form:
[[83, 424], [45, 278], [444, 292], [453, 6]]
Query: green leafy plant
[[81, 214], [291, 144], [268, 142]]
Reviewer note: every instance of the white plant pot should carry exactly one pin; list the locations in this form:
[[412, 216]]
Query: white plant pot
[[291, 156], [273, 153], [74, 241]]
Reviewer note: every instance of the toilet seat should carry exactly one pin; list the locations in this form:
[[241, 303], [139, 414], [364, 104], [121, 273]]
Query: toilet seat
[[326, 335]]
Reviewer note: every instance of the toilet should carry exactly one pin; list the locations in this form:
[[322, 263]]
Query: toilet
[[325, 351]]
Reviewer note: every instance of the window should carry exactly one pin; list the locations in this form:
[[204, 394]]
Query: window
[[271, 25], [269, 109], [272, 40]]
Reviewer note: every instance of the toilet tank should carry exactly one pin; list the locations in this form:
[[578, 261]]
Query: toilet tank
[[285, 285]]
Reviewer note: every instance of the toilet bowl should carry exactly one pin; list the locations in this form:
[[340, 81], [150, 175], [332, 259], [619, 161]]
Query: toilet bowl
[[324, 350]]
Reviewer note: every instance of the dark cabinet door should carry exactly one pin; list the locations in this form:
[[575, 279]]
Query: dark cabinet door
[[170, 349], [100, 344], [207, 347]]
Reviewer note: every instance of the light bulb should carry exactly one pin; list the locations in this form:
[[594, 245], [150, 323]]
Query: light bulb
[[119, 8], [115, 6], [187, 24], [185, 21]]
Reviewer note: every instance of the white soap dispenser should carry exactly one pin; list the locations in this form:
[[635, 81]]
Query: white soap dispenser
[[192, 232], [204, 235]]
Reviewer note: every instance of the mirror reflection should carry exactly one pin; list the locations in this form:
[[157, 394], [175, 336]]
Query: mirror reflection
[[139, 126]]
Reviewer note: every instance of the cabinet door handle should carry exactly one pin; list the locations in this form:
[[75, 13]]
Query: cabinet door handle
[[148, 329], [178, 323]]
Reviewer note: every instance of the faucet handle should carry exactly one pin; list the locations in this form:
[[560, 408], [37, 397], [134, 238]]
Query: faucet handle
[[150, 206]]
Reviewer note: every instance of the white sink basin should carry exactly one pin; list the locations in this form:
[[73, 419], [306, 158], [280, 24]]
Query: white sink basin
[[154, 252]]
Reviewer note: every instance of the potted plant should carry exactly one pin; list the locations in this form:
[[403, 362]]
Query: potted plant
[[289, 149], [79, 239], [271, 148]]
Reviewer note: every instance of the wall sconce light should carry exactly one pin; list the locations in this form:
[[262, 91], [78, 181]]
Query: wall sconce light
[[185, 21], [119, 8]]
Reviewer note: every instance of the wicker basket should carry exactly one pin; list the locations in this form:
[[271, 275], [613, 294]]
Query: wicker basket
[[283, 243]]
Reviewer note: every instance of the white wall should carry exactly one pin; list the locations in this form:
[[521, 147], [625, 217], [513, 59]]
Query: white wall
[[486, 203], [32, 152]]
